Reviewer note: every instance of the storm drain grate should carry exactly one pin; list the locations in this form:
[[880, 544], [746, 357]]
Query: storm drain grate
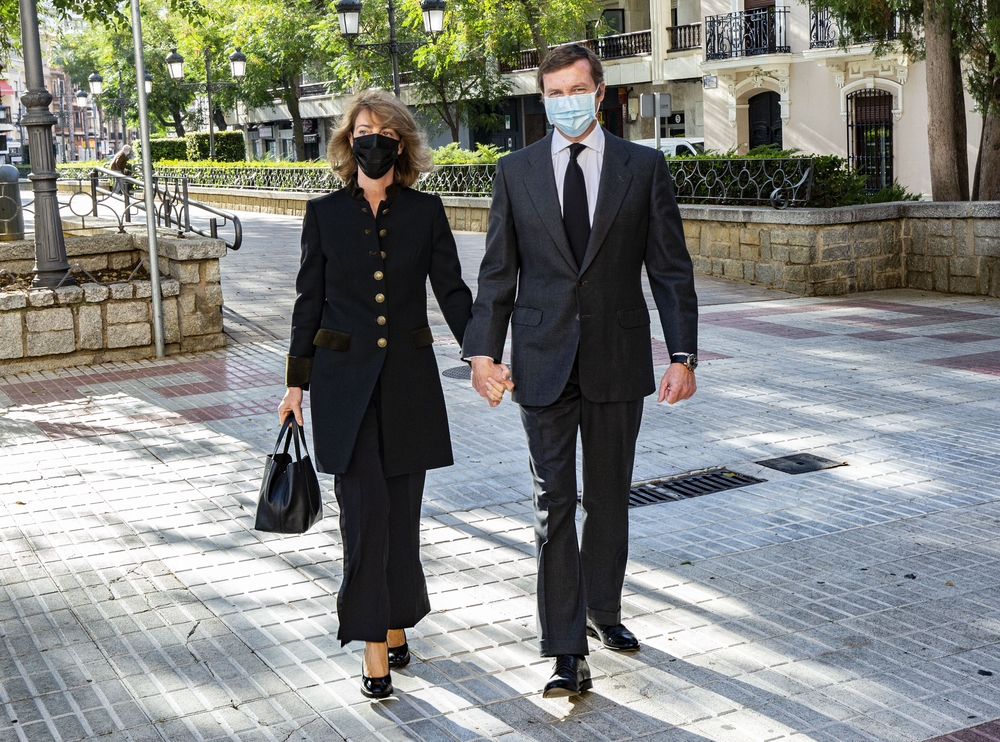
[[687, 486], [458, 372]]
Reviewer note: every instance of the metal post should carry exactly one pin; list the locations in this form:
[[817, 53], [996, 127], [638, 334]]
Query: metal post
[[62, 117], [50, 248], [208, 92], [393, 48], [656, 118], [121, 106], [147, 179]]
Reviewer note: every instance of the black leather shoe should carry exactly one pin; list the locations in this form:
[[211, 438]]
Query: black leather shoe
[[570, 677], [615, 637], [376, 687], [399, 656]]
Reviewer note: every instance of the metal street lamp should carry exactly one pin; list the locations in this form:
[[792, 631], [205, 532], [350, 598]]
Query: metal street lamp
[[96, 83], [349, 18], [238, 68], [148, 83], [81, 102]]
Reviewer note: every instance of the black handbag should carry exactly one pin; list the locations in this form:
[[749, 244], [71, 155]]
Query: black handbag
[[290, 500]]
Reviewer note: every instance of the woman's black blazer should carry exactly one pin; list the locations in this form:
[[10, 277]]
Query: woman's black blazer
[[360, 316]]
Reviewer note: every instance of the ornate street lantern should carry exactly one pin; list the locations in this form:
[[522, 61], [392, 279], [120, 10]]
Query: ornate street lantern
[[238, 64], [175, 65], [433, 16], [96, 83], [349, 16]]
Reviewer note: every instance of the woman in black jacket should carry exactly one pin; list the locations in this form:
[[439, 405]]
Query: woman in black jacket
[[362, 347]]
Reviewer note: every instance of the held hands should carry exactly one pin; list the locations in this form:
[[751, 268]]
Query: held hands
[[491, 379], [677, 383], [291, 404]]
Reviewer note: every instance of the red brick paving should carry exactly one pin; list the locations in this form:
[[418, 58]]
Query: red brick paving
[[988, 732], [962, 337], [982, 363]]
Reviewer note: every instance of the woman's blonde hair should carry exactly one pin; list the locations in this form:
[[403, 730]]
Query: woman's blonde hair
[[388, 111]]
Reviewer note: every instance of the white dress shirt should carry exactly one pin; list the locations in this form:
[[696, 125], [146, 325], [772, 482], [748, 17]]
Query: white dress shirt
[[591, 159]]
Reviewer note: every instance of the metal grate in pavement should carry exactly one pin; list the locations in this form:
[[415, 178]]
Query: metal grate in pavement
[[800, 463], [458, 372], [686, 486]]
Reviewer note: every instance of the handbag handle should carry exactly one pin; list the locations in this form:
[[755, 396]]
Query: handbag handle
[[291, 430]]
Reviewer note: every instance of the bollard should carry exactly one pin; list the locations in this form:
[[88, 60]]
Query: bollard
[[11, 214]]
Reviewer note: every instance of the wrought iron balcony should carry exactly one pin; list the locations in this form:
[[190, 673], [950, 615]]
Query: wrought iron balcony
[[680, 38], [747, 33], [616, 46], [825, 33]]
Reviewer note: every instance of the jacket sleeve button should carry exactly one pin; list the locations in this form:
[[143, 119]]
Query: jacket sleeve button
[[382, 342], [382, 233]]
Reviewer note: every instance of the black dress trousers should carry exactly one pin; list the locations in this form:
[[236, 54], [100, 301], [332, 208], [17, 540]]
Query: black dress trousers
[[383, 586], [577, 581]]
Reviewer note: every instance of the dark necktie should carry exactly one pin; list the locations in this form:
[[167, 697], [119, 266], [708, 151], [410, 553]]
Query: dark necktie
[[576, 212]]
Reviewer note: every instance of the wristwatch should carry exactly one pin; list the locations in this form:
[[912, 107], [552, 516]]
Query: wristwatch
[[688, 359]]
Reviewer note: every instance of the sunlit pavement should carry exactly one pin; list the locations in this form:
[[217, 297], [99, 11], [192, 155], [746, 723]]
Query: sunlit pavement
[[855, 603]]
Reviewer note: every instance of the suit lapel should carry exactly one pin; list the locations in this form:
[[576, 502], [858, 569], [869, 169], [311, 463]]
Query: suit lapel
[[615, 178], [540, 183]]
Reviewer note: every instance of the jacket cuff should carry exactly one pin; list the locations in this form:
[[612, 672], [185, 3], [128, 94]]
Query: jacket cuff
[[298, 371]]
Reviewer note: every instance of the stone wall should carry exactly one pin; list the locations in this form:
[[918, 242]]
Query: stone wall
[[98, 322]]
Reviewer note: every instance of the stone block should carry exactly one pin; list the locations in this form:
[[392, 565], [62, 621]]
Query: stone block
[[750, 236], [95, 292], [188, 302], [92, 264], [964, 266], [46, 320], [169, 287], [129, 336], [798, 237], [11, 335], [123, 260], [989, 246], [210, 268], [940, 246], [185, 272], [718, 249], [213, 295], [749, 252], [835, 236], [143, 289], [171, 323], [69, 295], [835, 252], [793, 273], [732, 269], [831, 288], [12, 300], [868, 248], [701, 264], [888, 281], [964, 284], [867, 231], [919, 263], [764, 273], [825, 272], [801, 254], [41, 297], [986, 227], [864, 276], [51, 343], [197, 343], [90, 327], [939, 227], [923, 281], [127, 312], [797, 287], [121, 290], [185, 249], [940, 274], [886, 263], [201, 324]]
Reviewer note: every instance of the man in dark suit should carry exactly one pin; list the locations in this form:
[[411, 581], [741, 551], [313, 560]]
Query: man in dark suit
[[574, 218]]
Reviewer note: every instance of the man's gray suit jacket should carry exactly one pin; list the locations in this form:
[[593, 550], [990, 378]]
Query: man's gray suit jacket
[[557, 309]]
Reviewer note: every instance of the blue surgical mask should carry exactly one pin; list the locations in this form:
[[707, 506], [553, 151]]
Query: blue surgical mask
[[571, 114]]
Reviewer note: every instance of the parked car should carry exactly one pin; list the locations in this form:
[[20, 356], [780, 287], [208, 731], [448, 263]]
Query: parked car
[[672, 147]]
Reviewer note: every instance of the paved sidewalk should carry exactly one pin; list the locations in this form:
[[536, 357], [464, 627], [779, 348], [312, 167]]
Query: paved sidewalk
[[855, 603]]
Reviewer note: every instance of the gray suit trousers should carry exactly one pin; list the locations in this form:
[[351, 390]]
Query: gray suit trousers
[[580, 581]]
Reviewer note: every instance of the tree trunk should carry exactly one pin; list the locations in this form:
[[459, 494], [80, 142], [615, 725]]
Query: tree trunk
[[945, 118], [178, 115], [298, 136], [220, 119], [988, 168], [534, 13]]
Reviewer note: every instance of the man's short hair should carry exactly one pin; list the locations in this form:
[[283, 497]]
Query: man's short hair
[[565, 56]]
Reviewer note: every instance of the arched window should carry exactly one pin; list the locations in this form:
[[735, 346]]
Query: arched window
[[869, 136]]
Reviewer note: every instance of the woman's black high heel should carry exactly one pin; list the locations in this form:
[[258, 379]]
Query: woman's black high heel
[[375, 687], [399, 656]]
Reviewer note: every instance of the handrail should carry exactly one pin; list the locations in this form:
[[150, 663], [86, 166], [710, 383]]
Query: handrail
[[171, 201]]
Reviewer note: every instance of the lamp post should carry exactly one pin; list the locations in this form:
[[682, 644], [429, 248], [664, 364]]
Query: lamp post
[[50, 247], [81, 102], [349, 17], [238, 68], [124, 103]]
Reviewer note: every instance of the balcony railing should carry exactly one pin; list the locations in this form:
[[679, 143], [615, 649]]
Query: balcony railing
[[616, 46], [825, 33], [680, 38], [747, 33]]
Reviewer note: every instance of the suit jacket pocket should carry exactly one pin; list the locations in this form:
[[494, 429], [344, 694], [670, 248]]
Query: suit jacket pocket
[[422, 337], [526, 316], [638, 317], [332, 339]]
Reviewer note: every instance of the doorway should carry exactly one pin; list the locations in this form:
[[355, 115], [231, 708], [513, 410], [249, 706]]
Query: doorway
[[765, 119]]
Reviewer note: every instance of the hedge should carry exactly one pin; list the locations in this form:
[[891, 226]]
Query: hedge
[[173, 148], [230, 146]]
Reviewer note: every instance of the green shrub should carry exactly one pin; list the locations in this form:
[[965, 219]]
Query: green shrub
[[453, 154], [894, 192], [164, 148], [229, 146]]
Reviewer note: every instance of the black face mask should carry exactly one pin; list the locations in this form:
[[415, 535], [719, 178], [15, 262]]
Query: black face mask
[[375, 154]]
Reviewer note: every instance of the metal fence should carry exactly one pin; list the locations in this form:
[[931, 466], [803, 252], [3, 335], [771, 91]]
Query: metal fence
[[615, 46], [680, 38], [780, 182], [825, 30]]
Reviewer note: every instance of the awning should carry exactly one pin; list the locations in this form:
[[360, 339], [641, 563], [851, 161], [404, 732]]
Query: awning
[[5, 88]]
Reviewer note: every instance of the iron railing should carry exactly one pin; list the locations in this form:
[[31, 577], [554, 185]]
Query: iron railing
[[780, 182], [747, 33], [869, 137], [825, 30], [107, 196], [615, 46], [680, 38]]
